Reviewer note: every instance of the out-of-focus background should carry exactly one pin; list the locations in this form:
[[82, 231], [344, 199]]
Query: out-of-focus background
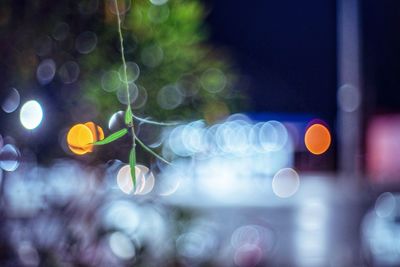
[[284, 151]]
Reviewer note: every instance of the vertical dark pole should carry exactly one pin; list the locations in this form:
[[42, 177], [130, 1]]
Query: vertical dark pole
[[349, 88]]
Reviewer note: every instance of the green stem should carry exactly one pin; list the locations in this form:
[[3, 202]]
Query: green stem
[[125, 78]]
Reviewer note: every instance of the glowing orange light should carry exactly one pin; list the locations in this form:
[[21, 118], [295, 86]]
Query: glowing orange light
[[81, 136], [317, 139], [96, 130]]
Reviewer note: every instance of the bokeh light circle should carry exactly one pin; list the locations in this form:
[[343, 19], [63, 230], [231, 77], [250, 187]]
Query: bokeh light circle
[[31, 114], [122, 94], [285, 183], [69, 72], [169, 97], [116, 121], [132, 72], [86, 42], [60, 31], [213, 80], [144, 180], [158, 2], [12, 101], [121, 246], [81, 136], [9, 158], [110, 81], [317, 139], [45, 71]]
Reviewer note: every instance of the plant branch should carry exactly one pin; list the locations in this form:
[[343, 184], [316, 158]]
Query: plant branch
[[125, 80]]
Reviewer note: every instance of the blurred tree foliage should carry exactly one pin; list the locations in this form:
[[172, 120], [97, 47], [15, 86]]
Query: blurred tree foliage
[[181, 76]]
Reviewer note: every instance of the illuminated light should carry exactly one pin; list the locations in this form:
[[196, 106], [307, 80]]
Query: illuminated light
[[385, 205], [132, 72], [150, 134], [194, 135], [313, 215], [192, 245], [141, 98], [122, 94], [169, 97], [176, 142], [96, 130], [273, 136], [213, 80], [238, 140], [285, 183], [169, 185], [247, 234], [86, 42], [317, 139], [152, 56], [124, 179], [12, 101], [79, 139], [189, 84], [148, 181], [9, 158], [121, 246], [81, 136], [31, 115], [257, 235], [143, 176], [158, 2], [116, 121], [123, 6], [45, 71], [110, 81], [122, 215], [248, 255], [60, 31], [69, 72]]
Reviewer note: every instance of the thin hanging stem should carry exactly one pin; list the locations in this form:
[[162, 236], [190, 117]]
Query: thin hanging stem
[[134, 137], [125, 78]]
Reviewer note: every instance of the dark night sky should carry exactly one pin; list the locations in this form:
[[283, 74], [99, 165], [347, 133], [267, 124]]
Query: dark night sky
[[287, 48]]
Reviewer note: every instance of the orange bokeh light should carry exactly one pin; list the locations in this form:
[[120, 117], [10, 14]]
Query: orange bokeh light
[[81, 136], [317, 139]]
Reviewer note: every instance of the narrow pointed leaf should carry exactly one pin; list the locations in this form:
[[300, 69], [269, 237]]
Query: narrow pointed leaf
[[132, 164], [112, 137], [156, 122], [128, 115], [151, 151]]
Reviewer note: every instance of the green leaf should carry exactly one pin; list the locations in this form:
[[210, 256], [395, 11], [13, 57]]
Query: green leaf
[[128, 115], [112, 137], [151, 151], [132, 164]]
